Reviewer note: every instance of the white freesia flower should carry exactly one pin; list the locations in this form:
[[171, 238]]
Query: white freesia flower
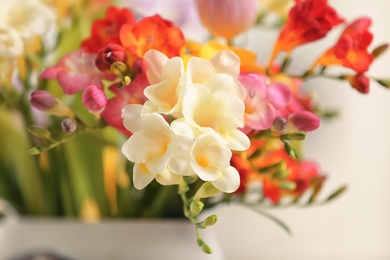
[[219, 110], [170, 81], [11, 45], [206, 103], [210, 160], [224, 66], [165, 94], [27, 17], [149, 147]]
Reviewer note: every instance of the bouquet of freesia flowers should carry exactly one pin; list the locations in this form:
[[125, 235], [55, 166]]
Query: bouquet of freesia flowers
[[130, 118]]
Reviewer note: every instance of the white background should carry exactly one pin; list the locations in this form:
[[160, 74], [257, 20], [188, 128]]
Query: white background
[[353, 149]]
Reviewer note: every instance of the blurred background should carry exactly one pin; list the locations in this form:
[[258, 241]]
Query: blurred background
[[352, 149]]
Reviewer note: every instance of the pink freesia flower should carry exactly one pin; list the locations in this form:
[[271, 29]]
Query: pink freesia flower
[[76, 71], [262, 101], [227, 18], [130, 94], [94, 99], [297, 115]]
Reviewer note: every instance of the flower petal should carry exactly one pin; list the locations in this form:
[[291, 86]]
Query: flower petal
[[238, 141], [155, 61], [131, 115], [168, 178], [205, 174], [279, 95], [141, 176], [199, 69], [226, 61], [229, 180], [261, 119]]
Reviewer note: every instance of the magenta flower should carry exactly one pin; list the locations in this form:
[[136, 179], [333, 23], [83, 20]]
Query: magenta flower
[[297, 116], [262, 101], [46, 102], [76, 71], [304, 120], [43, 100], [94, 99]]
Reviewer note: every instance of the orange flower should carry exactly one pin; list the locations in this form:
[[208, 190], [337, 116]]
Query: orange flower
[[351, 49], [106, 30], [280, 175], [309, 20], [152, 33], [302, 174]]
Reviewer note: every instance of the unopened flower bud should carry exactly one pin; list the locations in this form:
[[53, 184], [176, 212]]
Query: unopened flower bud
[[206, 190], [94, 99], [139, 66], [196, 207], [69, 125], [209, 221], [227, 18], [39, 131], [360, 82], [205, 248], [280, 123], [304, 120], [378, 51], [110, 54], [42, 100]]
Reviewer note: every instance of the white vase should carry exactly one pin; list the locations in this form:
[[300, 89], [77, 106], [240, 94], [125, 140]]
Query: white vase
[[109, 239]]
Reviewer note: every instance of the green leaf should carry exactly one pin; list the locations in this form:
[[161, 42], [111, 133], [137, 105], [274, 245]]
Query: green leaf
[[384, 82], [317, 186], [290, 151], [273, 218], [336, 194], [297, 136]]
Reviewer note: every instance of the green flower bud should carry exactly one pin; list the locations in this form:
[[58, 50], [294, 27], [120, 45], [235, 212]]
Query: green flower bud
[[209, 221], [205, 248], [196, 207], [206, 190], [39, 131]]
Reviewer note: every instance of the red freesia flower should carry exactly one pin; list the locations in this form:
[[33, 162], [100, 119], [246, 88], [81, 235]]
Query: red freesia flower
[[264, 161], [152, 33], [304, 174], [360, 82], [350, 50], [106, 29], [109, 54], [308, 20], [130, 94]]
